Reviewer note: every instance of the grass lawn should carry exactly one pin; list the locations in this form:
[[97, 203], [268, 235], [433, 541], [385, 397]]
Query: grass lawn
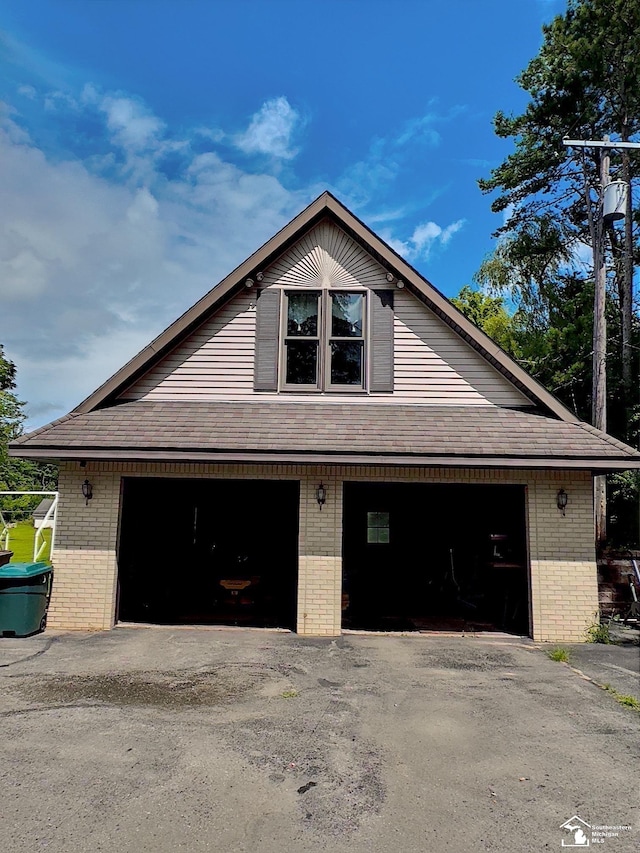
[[21, 542]]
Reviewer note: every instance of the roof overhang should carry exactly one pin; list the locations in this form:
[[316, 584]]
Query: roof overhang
[[49, 454], [340, 433]]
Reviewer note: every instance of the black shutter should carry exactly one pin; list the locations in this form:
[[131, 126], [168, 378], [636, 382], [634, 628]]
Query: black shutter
[[265, 370], [381, 341]]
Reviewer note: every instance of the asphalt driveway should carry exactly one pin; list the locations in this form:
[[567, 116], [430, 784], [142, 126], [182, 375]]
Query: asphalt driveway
[[230, 740], [612, 666]]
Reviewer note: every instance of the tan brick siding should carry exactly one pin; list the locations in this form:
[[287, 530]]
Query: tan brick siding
[[564, 595], [320, 561], [564, 584], [85, 571]]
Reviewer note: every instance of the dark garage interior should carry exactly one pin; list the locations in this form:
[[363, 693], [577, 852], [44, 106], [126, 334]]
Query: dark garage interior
[[208, 551], [435, 557]]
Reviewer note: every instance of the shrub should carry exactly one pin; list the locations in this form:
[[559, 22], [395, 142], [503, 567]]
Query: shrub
[[598, 632]]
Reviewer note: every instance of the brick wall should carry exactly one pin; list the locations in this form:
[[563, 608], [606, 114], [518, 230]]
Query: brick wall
[[564, 579], [84, 559], [564, 594]]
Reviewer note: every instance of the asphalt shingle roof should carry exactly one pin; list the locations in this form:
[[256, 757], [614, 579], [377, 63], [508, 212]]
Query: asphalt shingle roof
[[349, 429]]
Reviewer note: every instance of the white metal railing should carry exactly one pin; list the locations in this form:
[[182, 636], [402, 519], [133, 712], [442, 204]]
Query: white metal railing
[[39, 541]]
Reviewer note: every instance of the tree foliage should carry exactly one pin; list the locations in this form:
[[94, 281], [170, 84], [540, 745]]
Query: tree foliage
[[553, 346], [585, 84], [17, 474], [490, 314]]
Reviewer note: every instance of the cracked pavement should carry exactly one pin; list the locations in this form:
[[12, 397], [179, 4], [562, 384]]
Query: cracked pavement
[[161, 739]]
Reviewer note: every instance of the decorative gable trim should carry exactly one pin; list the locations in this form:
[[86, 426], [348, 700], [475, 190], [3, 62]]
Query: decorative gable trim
[[326, 206], [326, 257]]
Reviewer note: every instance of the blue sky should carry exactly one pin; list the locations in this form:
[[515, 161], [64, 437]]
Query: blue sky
[[148, 146]]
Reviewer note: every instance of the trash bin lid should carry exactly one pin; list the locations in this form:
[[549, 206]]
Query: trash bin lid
[[23, 570]]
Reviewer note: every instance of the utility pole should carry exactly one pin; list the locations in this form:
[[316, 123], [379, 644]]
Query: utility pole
[[599, 387]]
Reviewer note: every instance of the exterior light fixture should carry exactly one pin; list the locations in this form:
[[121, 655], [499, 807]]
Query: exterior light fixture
[[259, 276], [561, 499], [400, 283], [248, 282], [390, 276], [321, 495], [87, 491]]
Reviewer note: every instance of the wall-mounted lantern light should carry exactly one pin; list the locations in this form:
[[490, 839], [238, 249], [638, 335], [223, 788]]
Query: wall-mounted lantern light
[[321, 495], [87, 491], [561, 499]]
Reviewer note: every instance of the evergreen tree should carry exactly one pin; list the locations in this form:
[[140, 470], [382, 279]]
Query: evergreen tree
[[584, 83]]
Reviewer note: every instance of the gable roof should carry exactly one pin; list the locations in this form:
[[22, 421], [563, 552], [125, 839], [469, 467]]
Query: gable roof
[[325, 206]]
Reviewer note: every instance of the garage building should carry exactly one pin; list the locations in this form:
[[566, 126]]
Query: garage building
[[324, 442]]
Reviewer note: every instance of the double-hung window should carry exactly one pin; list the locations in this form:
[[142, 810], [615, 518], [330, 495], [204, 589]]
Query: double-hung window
[[324, 342]]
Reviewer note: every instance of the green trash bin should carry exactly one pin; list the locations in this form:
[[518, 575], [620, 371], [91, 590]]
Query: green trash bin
[[25, 589]]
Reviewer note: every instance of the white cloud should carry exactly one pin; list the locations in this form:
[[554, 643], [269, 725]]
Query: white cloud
[[13, 132], [214, 134], [58, 101], [101, 250], [90, 94], [23, 274], [95, 263], [386, 215], [132, 125], [420, 129], [450, 230], [27, 92], [271, 130], [425, 238], [369, 179], [507, 213]]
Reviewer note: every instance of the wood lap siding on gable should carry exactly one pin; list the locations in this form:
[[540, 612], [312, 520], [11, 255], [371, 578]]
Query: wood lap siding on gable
[[432, 364], [215, 361]]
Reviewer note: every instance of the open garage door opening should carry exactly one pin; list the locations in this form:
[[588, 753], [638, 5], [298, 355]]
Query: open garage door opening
[[435, 557], [209, 552]]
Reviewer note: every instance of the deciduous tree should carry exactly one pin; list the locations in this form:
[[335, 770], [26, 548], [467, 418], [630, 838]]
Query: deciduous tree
[[17, 474]]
